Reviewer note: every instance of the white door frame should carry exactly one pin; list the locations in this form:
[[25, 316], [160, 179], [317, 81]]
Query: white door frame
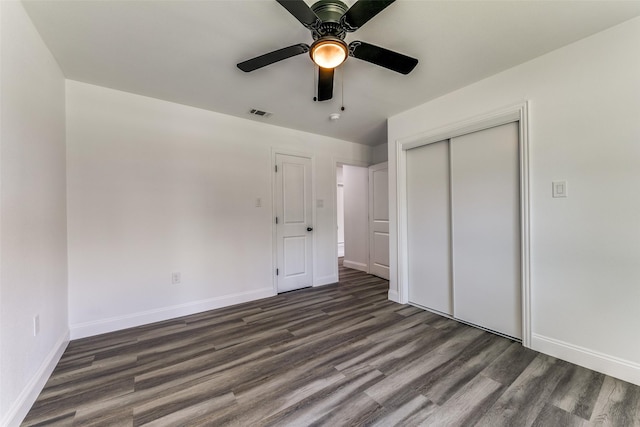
[[516, 113], [274, 231], [338, 161]]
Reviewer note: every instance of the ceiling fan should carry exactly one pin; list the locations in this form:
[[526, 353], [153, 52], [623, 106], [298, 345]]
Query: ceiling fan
[[329, 21]]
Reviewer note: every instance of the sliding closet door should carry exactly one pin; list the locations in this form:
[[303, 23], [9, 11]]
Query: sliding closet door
[[485, 200], [428, 209]]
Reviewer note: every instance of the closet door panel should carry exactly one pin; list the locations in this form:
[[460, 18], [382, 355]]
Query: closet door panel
[[429, 245], [485, 200]]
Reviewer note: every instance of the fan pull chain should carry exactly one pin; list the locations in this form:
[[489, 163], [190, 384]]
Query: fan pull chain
[[315, 83], [342, 86]]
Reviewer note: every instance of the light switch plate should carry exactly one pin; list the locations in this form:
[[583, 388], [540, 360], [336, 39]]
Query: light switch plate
[[559, 189], [175, 278], [36, 325]]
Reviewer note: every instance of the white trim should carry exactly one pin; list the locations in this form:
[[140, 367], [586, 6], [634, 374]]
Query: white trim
[[20, 408], [519, 113], [625, 370], [274, 235], [87, 329], [361, 266], [464, 127], [393, 296], [525, 224], [402, 261]]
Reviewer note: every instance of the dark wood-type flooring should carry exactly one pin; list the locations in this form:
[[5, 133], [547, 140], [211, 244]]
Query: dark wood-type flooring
[[335, 355]]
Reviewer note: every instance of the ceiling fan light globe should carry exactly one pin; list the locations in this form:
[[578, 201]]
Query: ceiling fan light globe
[[329, 53]]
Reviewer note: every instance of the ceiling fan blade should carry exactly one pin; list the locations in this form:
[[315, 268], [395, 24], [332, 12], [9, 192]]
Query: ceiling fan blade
[[361, 12], [271, 57], [383, 57], [302, 12], [325, 83]]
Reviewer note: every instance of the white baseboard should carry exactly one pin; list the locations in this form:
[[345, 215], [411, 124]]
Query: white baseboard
[[607, 364], [393, 296], [325, 280], [20, 408], [82, 330], [341, 249], [356, 265]]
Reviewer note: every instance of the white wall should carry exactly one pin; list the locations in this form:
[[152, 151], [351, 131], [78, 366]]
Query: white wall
[[33, 278], [156, 187], [356, 222], [584, 128], [380, 153]]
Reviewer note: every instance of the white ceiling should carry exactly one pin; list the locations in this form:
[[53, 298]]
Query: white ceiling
[[186, 52]]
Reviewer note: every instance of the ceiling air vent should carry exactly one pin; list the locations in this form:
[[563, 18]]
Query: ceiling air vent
[[259, 113]]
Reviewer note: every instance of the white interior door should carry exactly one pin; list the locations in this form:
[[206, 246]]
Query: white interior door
[[379, 220], [294, 225], [429, 225], [485, 194]]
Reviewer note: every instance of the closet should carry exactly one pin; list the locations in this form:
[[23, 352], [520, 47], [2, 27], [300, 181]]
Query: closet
[[463, 223]]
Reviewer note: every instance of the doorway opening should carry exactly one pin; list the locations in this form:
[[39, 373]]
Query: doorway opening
[[362, 218], [352, 205]]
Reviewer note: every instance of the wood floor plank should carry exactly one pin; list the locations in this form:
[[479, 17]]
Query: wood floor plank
[[451, 377], [468, 404], [328, 405], [62, 420], [180, 402], [521, 403], [75, 399], [412, 412], [553, 416], [336, 355], [618, 404], [122, 417], [387, 351], [578, 393], [412, 373], [195, 414], [506, 368]]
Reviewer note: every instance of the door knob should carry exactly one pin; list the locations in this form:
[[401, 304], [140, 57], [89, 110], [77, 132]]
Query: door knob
[[309, 228]]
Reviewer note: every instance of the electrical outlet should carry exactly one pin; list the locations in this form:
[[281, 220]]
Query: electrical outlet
[[175, 278], [36, 325]]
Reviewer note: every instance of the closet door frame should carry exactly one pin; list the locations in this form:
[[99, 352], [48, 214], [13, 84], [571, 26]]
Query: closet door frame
[[515, 113]]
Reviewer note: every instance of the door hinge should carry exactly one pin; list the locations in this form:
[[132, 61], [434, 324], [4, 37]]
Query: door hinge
[[276, 168], [277, 272], [276, 220]]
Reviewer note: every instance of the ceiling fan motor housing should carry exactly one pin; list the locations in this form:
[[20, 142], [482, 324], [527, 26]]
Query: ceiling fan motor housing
[[329, 12]]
